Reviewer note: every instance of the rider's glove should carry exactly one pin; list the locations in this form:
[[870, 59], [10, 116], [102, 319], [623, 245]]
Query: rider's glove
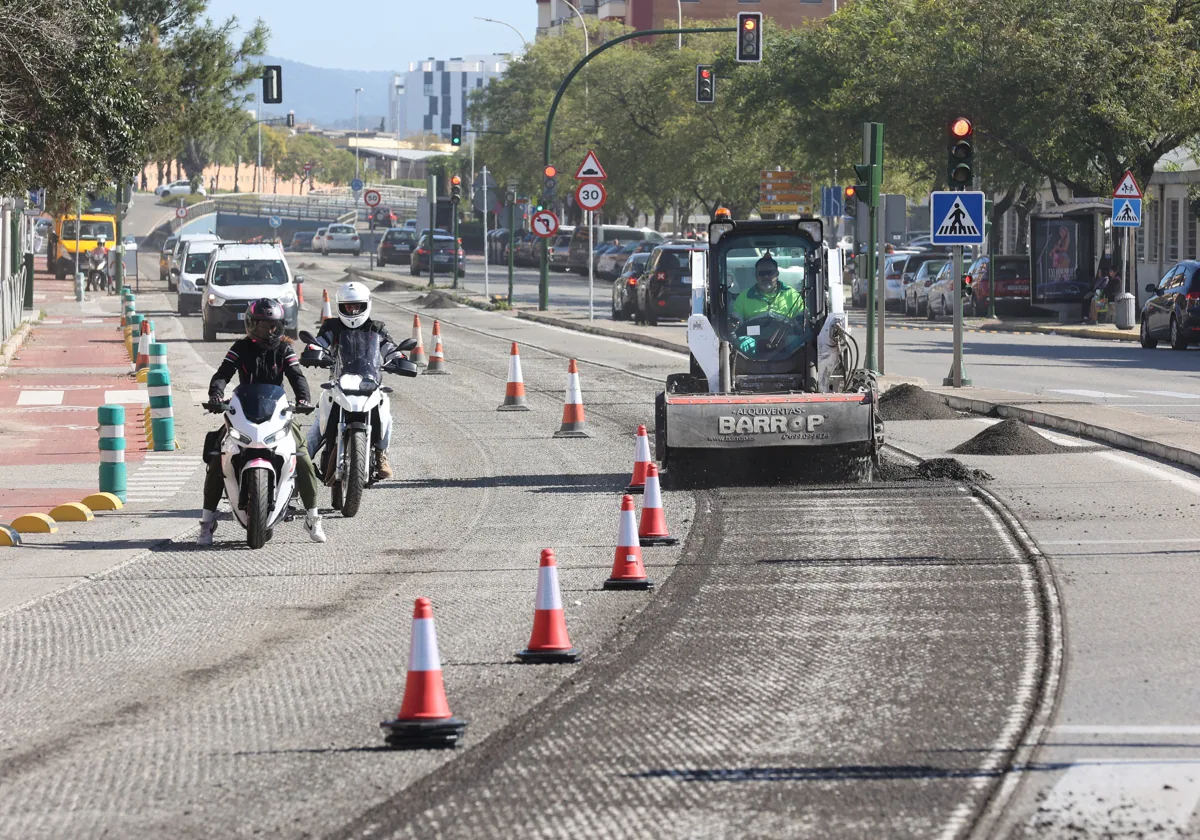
[[747, 344]]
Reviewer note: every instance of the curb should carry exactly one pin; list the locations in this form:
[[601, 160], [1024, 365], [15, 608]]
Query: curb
[[633, 338], [1079, 428], [1063, 330], [454, 294], [14, 344]]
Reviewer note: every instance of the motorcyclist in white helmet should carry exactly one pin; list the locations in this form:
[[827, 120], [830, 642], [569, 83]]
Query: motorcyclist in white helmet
[[354, 313]]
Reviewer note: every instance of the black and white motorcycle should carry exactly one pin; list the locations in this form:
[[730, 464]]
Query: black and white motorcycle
[[350, 401], [258, 457]]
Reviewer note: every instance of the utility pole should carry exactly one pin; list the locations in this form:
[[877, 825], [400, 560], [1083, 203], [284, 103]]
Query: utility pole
[[357, 91], [486, 254], [869, 180]]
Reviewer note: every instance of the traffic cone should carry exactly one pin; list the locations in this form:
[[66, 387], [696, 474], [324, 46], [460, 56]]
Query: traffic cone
[[437, 362], [514, 392], [573, 422], [641, 460], [425, 719], [653, 528], [417, 354], [326, 306], [143, 348], [299, 295], [628, 571], [549, 641]]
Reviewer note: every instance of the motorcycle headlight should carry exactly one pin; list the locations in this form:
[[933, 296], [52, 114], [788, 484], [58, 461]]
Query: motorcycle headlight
[[270, 439], [238, 436], [350, 382]]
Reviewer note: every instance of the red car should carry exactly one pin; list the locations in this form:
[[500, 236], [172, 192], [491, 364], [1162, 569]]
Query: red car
[[1012, 283]]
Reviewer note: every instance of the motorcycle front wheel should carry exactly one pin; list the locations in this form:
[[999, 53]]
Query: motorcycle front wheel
[[357, 463], [258, 507]]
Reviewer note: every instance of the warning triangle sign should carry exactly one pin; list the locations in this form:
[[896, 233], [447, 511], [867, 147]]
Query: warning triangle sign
[[1126, 214], [590, 169], [957, 222], [1128, 187]]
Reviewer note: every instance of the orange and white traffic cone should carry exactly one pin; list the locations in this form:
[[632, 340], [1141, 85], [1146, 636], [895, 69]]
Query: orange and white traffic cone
[[549, 641], [425, 719], [143, 350], [653, 528], [326, 306], [417, 354], [514, 392], [641, 460], [437, 362], [628, 571], [573, 422]]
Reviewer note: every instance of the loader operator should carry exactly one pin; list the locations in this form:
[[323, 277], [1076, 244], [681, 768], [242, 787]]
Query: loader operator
[[766, 297]]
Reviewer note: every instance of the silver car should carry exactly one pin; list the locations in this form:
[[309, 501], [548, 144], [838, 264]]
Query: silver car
[[342, 238], [916, 293]]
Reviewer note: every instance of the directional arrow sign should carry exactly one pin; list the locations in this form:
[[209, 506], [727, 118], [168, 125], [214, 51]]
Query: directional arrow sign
[[956, 218], [1127, 212], [590, 169], [1128, 187]]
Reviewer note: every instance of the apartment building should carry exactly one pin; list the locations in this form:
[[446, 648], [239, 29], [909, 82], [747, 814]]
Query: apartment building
[[653, 14], [434, 94]]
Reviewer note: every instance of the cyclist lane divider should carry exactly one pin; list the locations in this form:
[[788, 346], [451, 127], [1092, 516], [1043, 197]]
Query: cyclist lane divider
[[112, 450], [162, 413]]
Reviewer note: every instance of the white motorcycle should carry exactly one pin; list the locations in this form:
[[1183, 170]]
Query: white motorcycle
[[258, 457], [349, 402]]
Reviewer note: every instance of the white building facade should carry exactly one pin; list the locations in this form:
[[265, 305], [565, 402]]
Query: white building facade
[[433, 94]]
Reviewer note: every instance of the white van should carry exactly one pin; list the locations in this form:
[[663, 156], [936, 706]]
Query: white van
[[173, 262]]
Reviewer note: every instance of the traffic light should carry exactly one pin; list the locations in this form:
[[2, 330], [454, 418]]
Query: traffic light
[[456, 135], [866, 186], [749, 44], [549, 184], [291, 119], [850, 201], [960, 171], [706, 90], [272, 84], [455, 189]]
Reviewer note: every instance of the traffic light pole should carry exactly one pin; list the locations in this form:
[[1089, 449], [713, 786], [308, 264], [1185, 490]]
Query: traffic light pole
[[957, 377], [454, 231], [544, 281]]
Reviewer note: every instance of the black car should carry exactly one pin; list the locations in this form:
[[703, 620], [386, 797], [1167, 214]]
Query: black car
[[443, 256], [302, 240], [1173, 311], [624, 290], [395, 247], [384, 217], [665, 288]]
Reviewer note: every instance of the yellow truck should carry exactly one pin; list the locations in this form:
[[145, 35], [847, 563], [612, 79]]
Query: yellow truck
[[72, 234]]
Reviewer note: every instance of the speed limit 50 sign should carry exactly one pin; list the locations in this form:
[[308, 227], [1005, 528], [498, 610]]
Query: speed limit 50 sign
[[591, 195]]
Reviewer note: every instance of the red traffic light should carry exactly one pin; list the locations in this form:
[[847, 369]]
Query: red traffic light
[[456, 180], [749, 23], [962, 127], [705, 73], [850, 193], [550, 171]]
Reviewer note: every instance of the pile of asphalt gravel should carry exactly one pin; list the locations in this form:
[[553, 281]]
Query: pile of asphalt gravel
[[306, 265], [909, 402], [1009, 437], [390, 286], [935, 469], [436, 300]]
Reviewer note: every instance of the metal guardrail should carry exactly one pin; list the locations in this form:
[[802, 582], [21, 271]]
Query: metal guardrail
[[12, 267], [195, 211]]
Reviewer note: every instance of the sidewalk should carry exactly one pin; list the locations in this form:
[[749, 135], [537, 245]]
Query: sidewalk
[[1100, 331], [71, 362]]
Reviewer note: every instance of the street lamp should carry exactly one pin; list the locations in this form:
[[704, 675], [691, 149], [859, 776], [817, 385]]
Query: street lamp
[[357, 91], [586, 42], [509, 25]]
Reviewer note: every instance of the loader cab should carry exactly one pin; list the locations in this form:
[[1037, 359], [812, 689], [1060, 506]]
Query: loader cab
[[770, 322]]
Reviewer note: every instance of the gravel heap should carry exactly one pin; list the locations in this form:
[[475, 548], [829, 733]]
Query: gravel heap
[[935, 469], [1009, 437], [908, 402], [390, 286], [436, 300]]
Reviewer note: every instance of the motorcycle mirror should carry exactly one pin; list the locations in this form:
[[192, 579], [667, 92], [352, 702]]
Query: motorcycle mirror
[[407, 344], [175, 271], [307, 337]]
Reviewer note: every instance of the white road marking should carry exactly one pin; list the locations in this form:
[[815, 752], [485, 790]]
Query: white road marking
[[1081, 392], [134, 397], [46, 321], [92, 321], [1180, 395], [1105, 729], [1113, 797], [1178, 479], [1175, 540], [1054, 437], [160, 476], [40, 397]]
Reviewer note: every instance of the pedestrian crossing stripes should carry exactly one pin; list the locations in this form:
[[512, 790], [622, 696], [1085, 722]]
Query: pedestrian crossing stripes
[[160, 476]]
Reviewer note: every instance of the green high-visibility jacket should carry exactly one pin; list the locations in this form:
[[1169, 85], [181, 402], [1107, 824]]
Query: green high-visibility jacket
[[784, 301]]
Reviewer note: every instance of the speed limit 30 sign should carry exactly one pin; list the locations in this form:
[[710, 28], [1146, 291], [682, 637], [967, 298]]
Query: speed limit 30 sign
[[591, 195]]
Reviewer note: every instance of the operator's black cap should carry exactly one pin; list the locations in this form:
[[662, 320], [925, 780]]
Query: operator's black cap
[[765, 263]]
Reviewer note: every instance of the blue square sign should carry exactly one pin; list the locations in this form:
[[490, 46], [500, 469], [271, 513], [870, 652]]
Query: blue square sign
[[956, 218]]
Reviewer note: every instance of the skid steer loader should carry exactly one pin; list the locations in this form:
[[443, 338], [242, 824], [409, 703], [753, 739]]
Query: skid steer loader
[[774, 385]]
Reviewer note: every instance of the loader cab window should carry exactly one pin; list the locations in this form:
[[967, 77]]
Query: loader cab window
[[767, 293]]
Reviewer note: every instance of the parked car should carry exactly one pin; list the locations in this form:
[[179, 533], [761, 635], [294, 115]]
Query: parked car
[[942, 291], [318, 239], [665, 287], [189, 276], [442, 247], [577, 259], [239, 273], [916, 293], [343, 238], [175, 264], [624, 290], [302, 240], [1172, 312], [384, 217], [524, 250], [559, 251], [1012, 283], [396, 246], [497, 243], [164, 257], [611, 263], [893, 278], [175, 189]]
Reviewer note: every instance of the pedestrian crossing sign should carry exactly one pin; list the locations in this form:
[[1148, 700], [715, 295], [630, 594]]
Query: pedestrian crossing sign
[[1127, 212], [956, 218]]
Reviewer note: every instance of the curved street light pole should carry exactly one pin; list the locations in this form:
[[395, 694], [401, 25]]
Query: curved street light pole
[[509, 25]]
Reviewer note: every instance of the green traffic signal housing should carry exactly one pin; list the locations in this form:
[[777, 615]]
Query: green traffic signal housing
[[867, 185], [960, 167], [456, 134]]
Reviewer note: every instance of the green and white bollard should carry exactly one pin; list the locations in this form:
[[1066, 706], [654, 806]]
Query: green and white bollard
[[128, 307], [135, 330], [158, 356], [112, 450], [162, 414]]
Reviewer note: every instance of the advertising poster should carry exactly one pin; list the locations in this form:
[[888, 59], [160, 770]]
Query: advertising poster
[[1058, 264]]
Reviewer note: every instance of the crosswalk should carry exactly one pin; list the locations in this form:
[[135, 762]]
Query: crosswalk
[[160, 476]]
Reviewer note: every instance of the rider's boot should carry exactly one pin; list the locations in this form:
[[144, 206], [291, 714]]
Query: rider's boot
[[382, 468], [312, 524], [208, 524]]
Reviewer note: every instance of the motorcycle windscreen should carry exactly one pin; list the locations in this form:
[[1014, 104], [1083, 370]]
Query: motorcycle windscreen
[[259, 402], [359, 360]]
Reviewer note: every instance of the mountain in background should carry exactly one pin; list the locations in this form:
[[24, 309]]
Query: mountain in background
[[326, 97]]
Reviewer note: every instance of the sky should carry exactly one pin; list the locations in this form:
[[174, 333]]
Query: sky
[[385, 36]]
